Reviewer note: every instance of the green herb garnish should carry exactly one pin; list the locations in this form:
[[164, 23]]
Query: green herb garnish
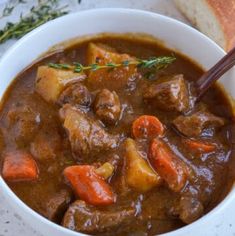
[[43, 12], [9, 7], [156, 63]]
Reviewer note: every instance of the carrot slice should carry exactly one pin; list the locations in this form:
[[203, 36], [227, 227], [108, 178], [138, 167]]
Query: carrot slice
[[167, 165], [147, 127], [200, 146], [19, 166], [88, 185]]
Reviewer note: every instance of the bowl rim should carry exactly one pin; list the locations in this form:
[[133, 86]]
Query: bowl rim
[[16, 200]]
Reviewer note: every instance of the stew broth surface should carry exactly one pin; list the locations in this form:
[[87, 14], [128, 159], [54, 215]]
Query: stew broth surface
[[155, 210]]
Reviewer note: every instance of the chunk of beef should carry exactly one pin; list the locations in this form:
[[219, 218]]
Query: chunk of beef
[[85, 134], [88, 219], [75, 94], [56, 205], [107, 106], [111, 78], [23, 123], [188, 209], [46, 144], [170, 94], [195, 124]]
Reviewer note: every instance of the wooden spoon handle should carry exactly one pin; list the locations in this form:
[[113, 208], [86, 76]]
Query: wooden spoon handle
[[205, 82]]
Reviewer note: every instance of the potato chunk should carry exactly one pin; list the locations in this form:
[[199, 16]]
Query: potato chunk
[[51, 82], [110, 78], [139, 174], [106, 170]]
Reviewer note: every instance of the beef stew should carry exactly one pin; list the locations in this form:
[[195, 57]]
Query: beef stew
[[116, 151]]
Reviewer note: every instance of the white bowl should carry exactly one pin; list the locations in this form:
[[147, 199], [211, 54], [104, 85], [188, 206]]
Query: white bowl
[[175, 34]]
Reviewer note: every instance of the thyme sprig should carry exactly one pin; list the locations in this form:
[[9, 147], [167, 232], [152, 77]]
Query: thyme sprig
[[156, 63], [38, 15], [9, 7]]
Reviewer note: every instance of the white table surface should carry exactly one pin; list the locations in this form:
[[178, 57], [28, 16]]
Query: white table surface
[[11, 224]]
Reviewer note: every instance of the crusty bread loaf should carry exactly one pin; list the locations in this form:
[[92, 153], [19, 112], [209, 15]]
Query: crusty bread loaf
[[215, 18]]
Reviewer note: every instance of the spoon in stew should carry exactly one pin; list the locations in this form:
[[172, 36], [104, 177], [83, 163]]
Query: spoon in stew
[[209, 77]]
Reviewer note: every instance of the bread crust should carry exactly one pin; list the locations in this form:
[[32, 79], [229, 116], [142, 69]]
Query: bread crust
[[225, 13], [223, 18]]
